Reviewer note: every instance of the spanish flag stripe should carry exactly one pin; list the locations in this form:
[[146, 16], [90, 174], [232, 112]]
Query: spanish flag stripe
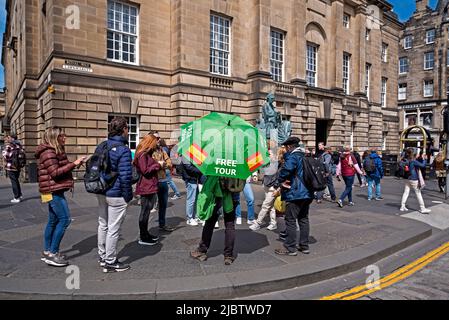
[[255, 167], [255, 161], [199, 149], [191, 156], [257, 154], [197, 154]]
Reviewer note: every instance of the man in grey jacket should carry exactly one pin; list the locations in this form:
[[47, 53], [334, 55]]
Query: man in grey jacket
[[326, 158]]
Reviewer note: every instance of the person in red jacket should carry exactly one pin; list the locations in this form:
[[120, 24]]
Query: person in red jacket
[[347, 168], [147, 187], [55, 178]]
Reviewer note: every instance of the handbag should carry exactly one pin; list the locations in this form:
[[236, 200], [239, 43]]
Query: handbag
[[279, 205]]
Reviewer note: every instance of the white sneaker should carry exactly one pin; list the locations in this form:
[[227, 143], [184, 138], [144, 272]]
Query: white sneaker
[[238, 221], [217, 225], [15, 200], [153, 210], [425, 211], [403, 209], [255, 226], [272, 227], [192, 222], [250, 222]]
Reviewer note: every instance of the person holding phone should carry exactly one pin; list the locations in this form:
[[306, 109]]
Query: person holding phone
[[55, 178]]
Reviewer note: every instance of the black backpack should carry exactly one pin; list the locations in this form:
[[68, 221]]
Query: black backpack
[[232, 184], [18, 157], [403, 169], [99, 177], [313, 174], [369, 165]]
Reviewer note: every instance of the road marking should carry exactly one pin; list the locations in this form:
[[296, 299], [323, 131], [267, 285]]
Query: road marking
[[393, 278]]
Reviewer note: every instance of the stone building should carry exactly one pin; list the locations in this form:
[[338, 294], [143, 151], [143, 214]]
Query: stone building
[[423, 68], [331, 63]]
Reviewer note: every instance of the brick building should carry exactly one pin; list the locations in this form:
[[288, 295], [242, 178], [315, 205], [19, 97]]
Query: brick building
[[423, 67], [162, 63]]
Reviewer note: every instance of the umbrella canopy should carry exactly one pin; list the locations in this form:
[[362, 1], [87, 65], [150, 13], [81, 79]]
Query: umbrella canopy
[[223, 145]]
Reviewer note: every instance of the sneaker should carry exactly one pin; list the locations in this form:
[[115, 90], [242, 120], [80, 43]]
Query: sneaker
[[101, 262], [282, 235], [192, 222], [167, 228], [425, 211], [272, 227], [238, 221], [201, 256], [175, 197], [153, 210], [117, 266], [319, 201], [45, 255], [255, 226], [369, 199], [148, 242], [351, 204], [340, 203], [229, 260], [379, 199], [56, 260], [285, 252], [15, 200], [304, 251], [216, 225], [250, 222], [153, 237], [403, 209]]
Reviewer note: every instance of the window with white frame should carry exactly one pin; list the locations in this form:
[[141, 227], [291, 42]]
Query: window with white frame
[[402, 91], [220, 49], [133, 129], [429, 60], [311, 64], [411, 118], [122, 33], [428, 88], [430, 36], [384, 52], [346, 71], [384, 141], [403, 65], [408, 42], [426, 118], [346, 20], [351, 138], [383, 93], [367, 79], [367, 34], [277, 55]]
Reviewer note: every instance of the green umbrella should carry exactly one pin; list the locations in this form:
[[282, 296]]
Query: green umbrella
[[223, 145]]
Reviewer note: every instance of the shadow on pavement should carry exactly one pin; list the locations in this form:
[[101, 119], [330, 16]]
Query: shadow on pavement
[[83, 247]]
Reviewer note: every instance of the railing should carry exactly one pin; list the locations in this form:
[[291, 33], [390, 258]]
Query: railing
[[221, 83]]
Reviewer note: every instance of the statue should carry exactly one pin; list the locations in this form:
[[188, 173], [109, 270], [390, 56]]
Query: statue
[[272, 120]]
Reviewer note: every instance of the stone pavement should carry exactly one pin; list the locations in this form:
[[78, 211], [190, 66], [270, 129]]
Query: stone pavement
[[343, 240]]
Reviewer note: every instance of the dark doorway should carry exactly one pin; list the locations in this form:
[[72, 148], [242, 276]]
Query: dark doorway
[[322, 130]]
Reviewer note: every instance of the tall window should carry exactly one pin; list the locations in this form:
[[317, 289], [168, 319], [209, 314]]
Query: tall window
[[430, 36], [383, 93], [311, 64], [346, 20], [122, 45], [426, 118], [403, 65], [277, 55], [346, 71], [428, 60], [220, 32], [408, 42], [367, 79], [428, 88], [384, 141], [402, 91], [384, 52], [133, 130], [367, 34]]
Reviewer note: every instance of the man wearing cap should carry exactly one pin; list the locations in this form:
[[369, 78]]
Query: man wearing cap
[[298, 199]]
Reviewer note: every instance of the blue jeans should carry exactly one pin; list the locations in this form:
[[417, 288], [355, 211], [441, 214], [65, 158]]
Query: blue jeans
[[171, 183], [191, 200], [330, 186], [162, 197], [349, 181], [371, 184], [249, 197], [58, 221]]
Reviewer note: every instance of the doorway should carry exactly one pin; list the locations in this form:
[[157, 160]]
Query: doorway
[[322, 132]]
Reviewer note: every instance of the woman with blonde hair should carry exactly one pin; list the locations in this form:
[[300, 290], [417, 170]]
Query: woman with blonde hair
[[147, 186], [55, 178]]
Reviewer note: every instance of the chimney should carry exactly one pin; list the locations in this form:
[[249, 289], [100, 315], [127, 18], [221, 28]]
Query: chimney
[[421, 5]]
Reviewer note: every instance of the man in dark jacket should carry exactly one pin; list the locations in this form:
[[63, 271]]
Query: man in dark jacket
[[298, 199], [113, 205], [192, 177], [12, 146]]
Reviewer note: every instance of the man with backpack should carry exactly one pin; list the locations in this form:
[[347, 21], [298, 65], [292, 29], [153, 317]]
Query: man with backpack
[[326, 158], [372, 165], [15, 160], [297, 196]]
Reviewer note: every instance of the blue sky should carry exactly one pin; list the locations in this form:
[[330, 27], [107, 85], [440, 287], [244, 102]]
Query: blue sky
[[404, 8]]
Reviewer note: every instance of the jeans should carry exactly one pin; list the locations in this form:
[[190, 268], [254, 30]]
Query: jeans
[[208, 230], [112, 212], [14, 177], [412, 184], [147, 203], [297, 211], [171, 183], [162, 197], [371, 184], [330, 186], [249, 197], [349, 181], [58, 221], [192, 189], [268, 206]]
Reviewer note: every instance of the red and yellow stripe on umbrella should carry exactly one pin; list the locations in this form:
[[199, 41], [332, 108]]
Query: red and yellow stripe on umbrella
[[197, 154], [255, 161]]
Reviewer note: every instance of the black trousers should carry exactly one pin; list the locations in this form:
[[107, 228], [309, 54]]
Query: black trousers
[[146, 205], [14, 177], [208, 230], [297, 211]]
